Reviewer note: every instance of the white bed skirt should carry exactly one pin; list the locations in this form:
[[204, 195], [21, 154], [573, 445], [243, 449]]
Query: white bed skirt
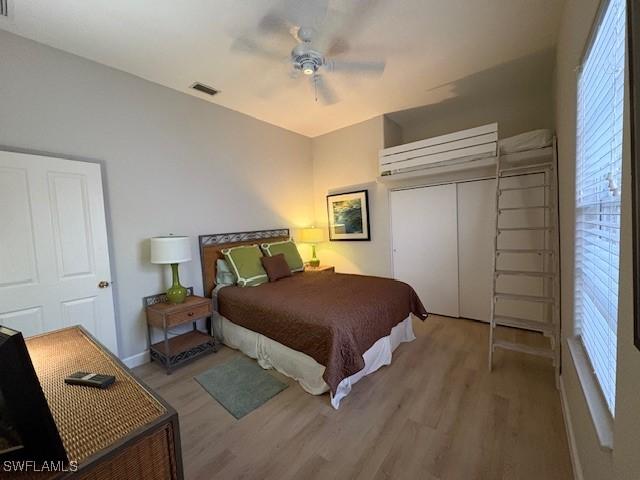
[[301, 367]]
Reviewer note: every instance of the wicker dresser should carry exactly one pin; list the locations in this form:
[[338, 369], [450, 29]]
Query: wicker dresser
[[123, 432]]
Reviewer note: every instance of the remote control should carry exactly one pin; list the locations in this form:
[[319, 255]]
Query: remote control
[[90, 379]]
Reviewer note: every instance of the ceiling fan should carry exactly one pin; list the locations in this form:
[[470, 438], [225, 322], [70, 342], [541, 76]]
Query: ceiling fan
[[319, 33]]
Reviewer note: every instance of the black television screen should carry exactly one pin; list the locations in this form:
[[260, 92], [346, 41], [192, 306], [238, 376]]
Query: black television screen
[[27, 428], [10, 439]]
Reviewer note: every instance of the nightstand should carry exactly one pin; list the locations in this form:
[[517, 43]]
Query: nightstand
[[321, 268], [176, 350]]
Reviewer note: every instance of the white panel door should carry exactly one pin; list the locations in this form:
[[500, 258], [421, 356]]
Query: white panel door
[[476, 232], [425, 246], [53, 247]]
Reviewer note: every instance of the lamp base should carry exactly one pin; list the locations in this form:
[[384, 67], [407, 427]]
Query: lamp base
[[314, 262], [176, 293]]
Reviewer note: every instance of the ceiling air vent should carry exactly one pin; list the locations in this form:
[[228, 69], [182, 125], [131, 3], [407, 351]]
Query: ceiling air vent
[[4, 8], [201, 87]]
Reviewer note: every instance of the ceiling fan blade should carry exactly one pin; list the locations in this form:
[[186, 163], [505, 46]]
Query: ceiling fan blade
[[294, 73], [275, 79], [276, 25], [344, 22], [272, 23], [339, 46], [248, 46], [331, 27], [323, 91], [287, 16], [365, 68], [304, 13]]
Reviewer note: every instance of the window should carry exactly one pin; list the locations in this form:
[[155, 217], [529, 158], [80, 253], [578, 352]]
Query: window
[[598, 182]]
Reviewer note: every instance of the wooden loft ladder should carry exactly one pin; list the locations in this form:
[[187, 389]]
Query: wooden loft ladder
[[549, 325]]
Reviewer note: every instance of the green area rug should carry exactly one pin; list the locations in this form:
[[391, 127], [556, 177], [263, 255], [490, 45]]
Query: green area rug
[[240, 385]]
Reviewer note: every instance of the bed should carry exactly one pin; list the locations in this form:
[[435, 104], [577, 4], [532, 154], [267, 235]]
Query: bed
[[325, 330]]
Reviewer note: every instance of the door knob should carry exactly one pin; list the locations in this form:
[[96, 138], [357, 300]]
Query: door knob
[[103, 284]]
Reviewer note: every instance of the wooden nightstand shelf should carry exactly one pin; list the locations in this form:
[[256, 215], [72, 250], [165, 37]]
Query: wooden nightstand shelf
[[321, 268], [173, 351]]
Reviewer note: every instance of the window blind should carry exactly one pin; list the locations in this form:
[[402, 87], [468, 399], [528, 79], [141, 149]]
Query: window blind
[[598, 182]]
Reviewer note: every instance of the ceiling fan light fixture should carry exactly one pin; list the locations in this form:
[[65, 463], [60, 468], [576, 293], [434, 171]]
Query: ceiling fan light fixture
[[308, 67]]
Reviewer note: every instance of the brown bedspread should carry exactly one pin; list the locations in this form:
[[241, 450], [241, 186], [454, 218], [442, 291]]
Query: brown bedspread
[[334, 318]]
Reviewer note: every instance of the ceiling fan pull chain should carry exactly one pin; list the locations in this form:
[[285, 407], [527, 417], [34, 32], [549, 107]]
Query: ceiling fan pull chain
[[315, 86]]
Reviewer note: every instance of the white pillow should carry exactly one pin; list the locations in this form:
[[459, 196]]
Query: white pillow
[[527, 141], [224, 275]]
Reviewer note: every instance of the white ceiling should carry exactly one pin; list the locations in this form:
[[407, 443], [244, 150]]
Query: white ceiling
[[427, 44]]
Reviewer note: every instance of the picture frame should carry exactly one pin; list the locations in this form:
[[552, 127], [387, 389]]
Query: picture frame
[[348, 216], [27, 428], [633, 46]]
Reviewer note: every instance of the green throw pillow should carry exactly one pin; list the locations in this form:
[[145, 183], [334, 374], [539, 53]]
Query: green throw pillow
[[244, 262], [289, 250]]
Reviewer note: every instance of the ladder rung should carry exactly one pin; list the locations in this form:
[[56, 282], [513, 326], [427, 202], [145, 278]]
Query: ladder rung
[[543, 251], [524, 168], [524, 323], [524, 298], [530, 187], [518, 347], [525, 273], [534, 207], [515, 229]]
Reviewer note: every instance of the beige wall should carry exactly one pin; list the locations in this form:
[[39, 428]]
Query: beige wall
[[527, 111], [171, 162], [343, 161], [515, 94], [624, 461], [392, 133]]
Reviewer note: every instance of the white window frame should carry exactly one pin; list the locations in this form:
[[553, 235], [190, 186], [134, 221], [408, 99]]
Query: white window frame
[[588, 351]]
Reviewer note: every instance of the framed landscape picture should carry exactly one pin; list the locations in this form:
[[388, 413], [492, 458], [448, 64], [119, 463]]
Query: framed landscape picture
[[633, 37], [348, 216]]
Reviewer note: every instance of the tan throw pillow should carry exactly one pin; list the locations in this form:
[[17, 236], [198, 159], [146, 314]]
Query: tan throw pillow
[[276, 267]]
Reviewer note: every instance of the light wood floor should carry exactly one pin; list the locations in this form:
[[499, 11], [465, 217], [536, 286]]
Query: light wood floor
[[435, 413]]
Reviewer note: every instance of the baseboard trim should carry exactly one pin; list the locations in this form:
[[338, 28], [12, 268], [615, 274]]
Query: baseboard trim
[[571, 439], [137, 359]]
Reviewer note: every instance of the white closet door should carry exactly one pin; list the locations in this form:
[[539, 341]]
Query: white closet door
[[425, 247], [476, 231]]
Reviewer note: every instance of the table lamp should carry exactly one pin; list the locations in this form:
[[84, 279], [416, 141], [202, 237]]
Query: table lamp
[[312, 235], [172, 250]]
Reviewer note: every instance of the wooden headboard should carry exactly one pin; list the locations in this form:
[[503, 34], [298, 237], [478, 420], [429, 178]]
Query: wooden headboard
[[211, 247]]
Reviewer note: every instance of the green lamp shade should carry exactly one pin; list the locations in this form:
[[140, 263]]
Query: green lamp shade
[[172, 250]]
